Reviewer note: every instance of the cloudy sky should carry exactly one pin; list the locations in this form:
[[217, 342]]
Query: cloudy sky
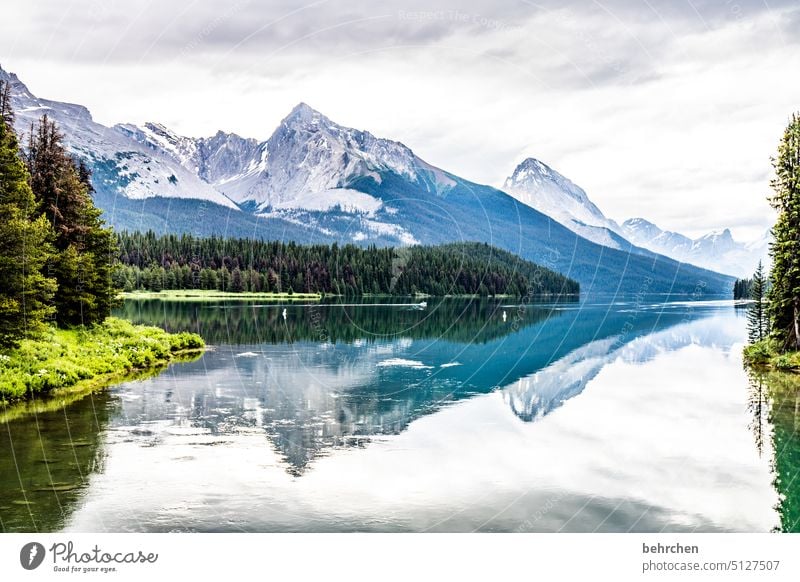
[[663, 109]]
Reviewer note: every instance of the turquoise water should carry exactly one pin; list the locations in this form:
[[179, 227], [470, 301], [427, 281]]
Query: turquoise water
[[459, 416]]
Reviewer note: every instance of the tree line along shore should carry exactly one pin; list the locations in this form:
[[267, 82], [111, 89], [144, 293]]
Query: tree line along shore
[[774, 314]]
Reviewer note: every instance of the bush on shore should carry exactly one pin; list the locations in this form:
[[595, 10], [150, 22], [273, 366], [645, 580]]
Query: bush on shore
[[767, 353], [61, 358]]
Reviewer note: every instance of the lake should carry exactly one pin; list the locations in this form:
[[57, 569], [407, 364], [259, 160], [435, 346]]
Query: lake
[[464, 415]]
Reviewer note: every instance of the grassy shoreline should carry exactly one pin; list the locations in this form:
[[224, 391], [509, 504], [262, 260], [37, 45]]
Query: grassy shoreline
[[765, 355], [209, 295], [202, 294], [65, 362]]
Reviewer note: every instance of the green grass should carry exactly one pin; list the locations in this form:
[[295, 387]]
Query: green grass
[[209, 295], [765, 354], [88, 358]]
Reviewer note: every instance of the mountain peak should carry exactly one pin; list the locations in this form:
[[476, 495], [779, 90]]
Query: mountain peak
[[637, 222], [303, 114], [532, 164], [538, 185]]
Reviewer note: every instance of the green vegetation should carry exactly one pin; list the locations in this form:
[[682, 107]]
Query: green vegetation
[[56, 264], [741, 288], [208, 295], [84, 250], [171, 262], [56, 257], [767, 354], [25, 292], [774, 328], [784, 293], [757, 321], [87, 356]]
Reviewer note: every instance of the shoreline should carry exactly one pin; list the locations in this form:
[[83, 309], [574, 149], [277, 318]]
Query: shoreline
[[763, 356], [66, 364], [59, 398], [202, 294]]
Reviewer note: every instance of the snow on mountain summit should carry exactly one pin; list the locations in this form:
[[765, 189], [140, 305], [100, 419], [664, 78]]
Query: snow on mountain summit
[[538, 185], [309, 162]]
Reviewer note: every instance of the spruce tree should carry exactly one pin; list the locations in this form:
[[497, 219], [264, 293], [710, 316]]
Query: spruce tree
[[784, 293], [86, 249], [757, 320], [25, 291]]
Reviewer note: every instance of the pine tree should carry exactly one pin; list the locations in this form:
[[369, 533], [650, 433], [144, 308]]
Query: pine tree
[[25, 292], [86, 249], [757, 320], [784, 293]]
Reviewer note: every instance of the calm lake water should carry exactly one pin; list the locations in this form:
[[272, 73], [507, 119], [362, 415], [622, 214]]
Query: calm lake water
[[462, 416]]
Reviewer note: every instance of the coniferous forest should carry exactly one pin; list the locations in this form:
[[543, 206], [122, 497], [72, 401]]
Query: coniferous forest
[[56, 256], [741, 288], [155, 263]]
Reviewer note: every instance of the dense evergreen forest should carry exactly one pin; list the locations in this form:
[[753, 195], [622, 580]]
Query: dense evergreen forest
[[56, 255], [741, 288], [155, 263], [784, 280]]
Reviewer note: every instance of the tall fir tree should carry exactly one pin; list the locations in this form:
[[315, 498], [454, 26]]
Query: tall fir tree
[[86, 249], [784, 293], [25, 292], [757, 319]]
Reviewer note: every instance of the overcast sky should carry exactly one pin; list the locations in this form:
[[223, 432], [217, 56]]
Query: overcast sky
[[664, 109]]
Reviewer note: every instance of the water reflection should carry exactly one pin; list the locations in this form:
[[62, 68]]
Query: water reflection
[[775, 408], [474, 321], [46, 462], [382, 418], [392, 365]]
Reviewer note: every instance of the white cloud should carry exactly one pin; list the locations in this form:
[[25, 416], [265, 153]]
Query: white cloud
[[671, 115]]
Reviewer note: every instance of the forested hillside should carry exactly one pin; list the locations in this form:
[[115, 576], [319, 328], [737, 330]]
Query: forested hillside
[[155, 263]]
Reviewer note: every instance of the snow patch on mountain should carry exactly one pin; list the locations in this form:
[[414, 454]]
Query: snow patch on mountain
[[342, 199]]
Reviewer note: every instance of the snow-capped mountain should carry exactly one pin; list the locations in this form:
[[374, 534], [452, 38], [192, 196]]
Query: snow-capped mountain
[[121, 165], [716, 250], [313, 180], [306, 165], [538, 185], [309, 157]]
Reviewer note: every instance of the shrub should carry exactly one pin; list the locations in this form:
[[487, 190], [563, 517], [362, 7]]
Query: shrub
[[62, 358], [787, 362], [758, 353]]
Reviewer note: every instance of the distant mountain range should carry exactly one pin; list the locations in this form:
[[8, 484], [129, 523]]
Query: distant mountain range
[[540, 186], [716, 250], [316, 181]]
